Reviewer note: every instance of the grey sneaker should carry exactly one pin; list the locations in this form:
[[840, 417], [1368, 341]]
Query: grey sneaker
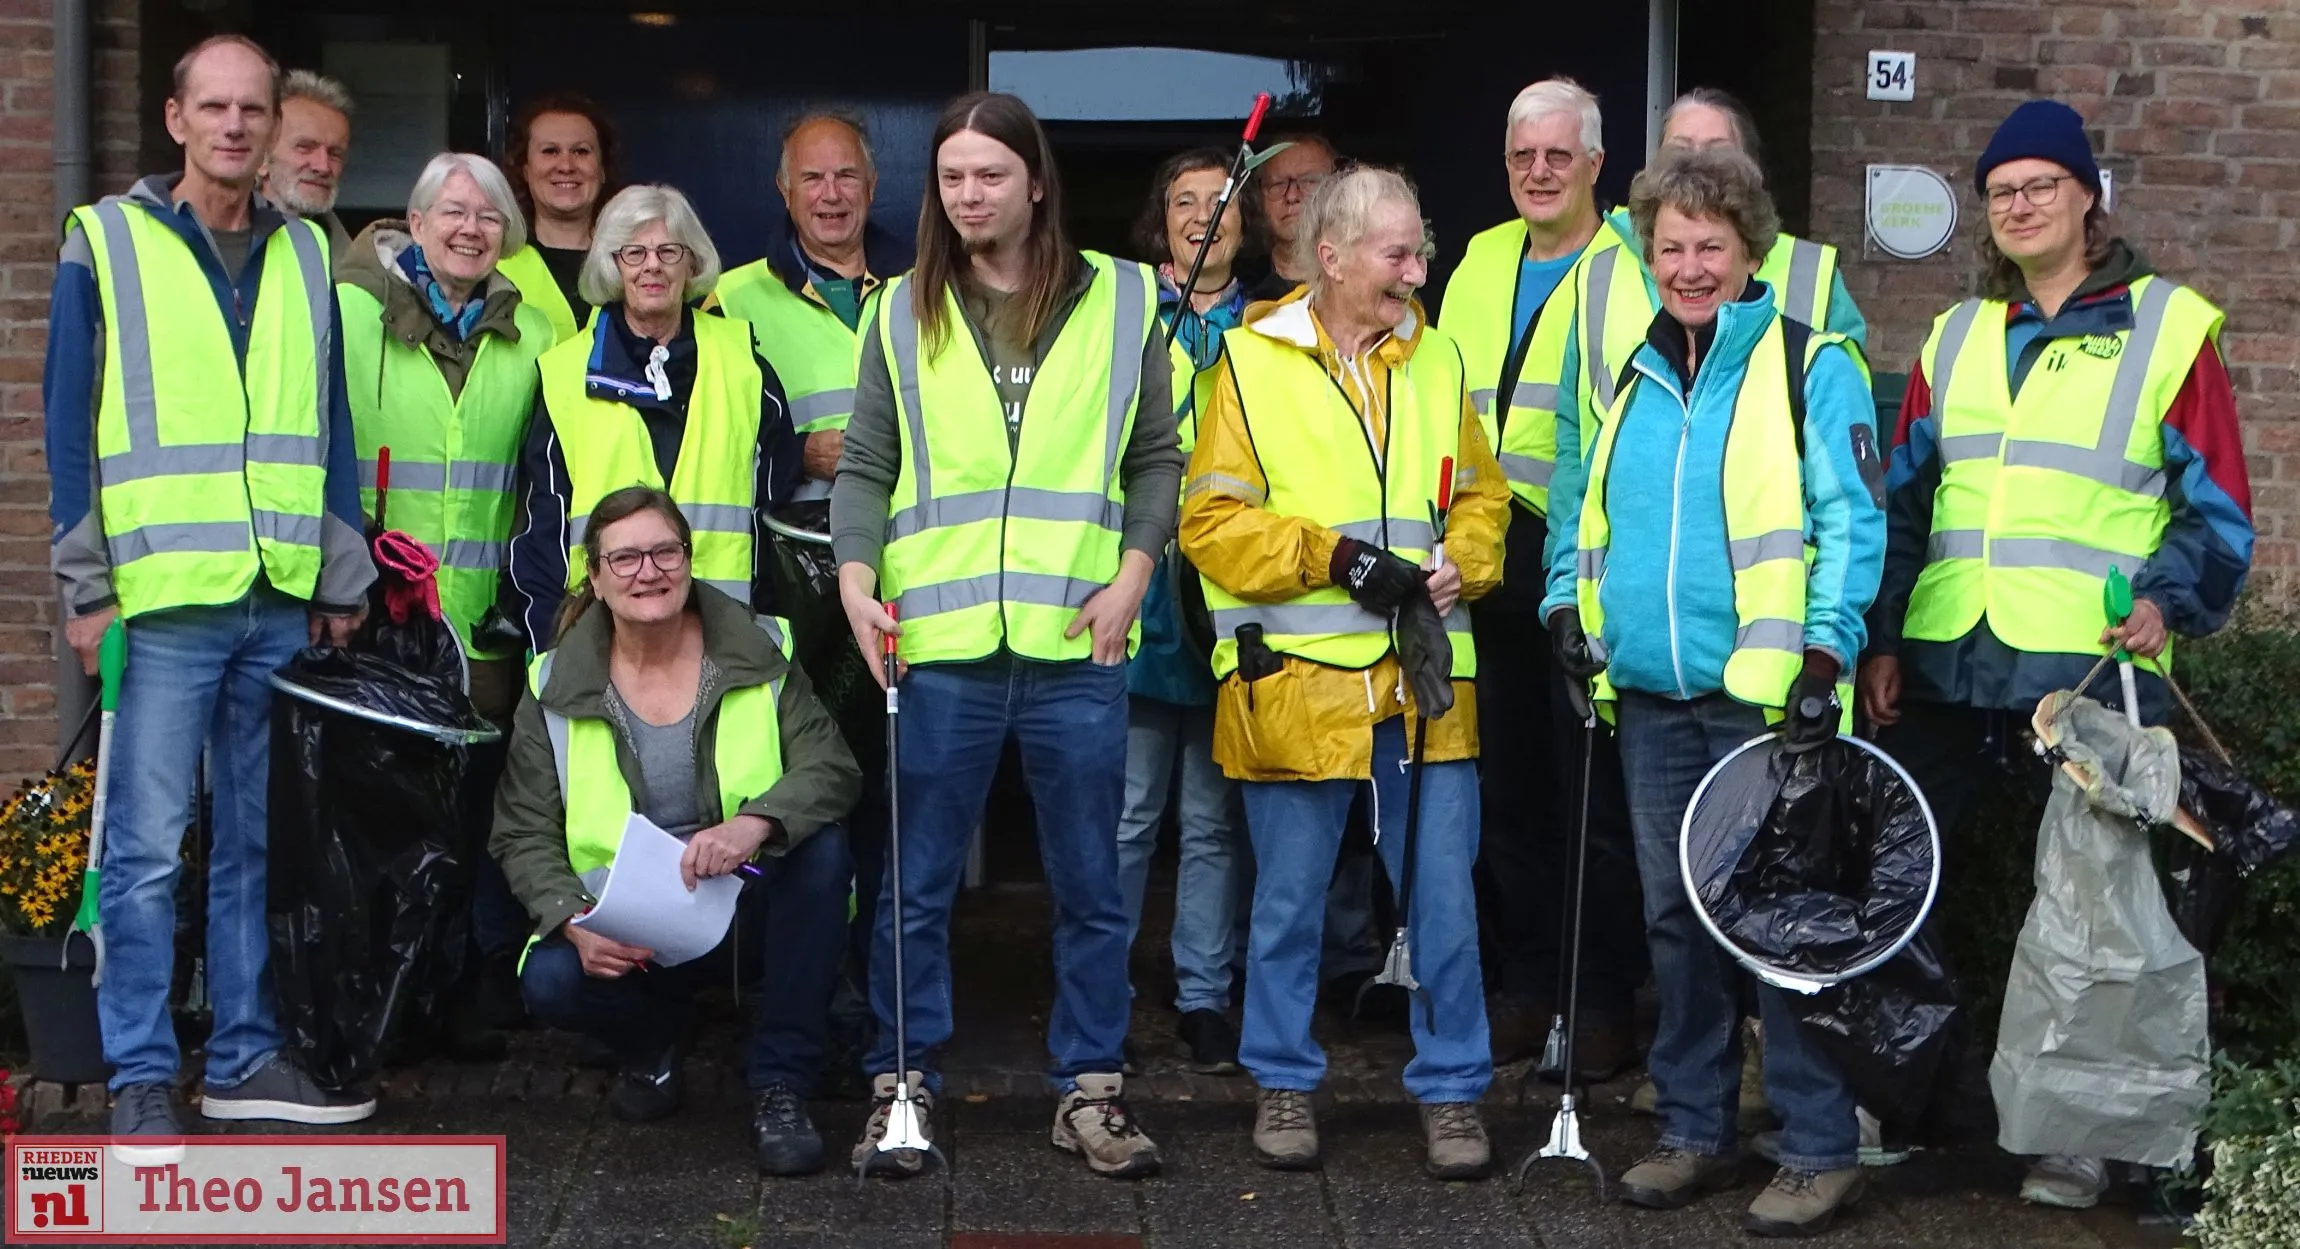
[[146, 1110], [1092, 1121], [1285, 1130], [1458, 1149], [2066, 1181], [1803, 1203], [280, 1090], [1669, 1178], [1874, 1151], [894, 1163]]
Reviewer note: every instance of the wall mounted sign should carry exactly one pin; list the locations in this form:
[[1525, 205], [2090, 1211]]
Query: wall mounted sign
[[1892, 76], [1912, 211]]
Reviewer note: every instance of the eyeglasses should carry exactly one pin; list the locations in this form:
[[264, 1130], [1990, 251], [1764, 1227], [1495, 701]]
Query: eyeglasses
[[2039, 192], [1304, 185], [457, 216], [668, 558], [1558, 159], [635, 255]]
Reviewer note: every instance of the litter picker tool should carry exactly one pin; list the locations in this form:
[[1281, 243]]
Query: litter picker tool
[[1240, 169], [905, 1128], [1565, 1130], [111, 663], [2116, 600], [382, 483], [1398, 965]]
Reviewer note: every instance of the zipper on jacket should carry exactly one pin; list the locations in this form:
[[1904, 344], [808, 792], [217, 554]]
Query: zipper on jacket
[[1676, 525]]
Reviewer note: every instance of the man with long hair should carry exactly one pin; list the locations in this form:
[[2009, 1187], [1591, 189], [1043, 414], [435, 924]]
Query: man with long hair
[[1011, 474]]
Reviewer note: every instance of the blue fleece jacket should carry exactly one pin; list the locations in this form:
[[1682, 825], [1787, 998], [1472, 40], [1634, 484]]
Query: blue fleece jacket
[[1668, 588]]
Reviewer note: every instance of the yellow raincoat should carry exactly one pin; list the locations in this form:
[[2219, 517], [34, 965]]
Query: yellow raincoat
[[1311, 721]]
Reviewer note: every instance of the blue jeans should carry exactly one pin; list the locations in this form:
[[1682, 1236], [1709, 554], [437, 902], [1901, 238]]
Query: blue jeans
[[1667, 746], [1297, 828], [784, 949], [195, 675], [1070, 719], [1210, 883]]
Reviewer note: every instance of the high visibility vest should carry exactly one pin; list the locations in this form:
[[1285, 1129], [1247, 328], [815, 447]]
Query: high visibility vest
[[1617, 305], [1321, 468], [2041, 495], [988, 543], [1480, 311], [1764, 491], [540, 291], [607, 448], [452, 456], [209, 471], [812, 351]]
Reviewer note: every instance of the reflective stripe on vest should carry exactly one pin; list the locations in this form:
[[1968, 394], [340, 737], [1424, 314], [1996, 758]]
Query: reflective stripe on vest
[[1802, 274], [452, 456], [2042, 494], [812, 351], [209, 469], [992, 542], [540, 291], [1312, 445], [607, 448], [1762, 484]]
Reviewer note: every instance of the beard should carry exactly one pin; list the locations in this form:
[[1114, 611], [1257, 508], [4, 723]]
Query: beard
[[304, 200]]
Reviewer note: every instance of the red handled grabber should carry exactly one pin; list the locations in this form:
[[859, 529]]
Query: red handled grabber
[[1240, 170], [905, 1122]]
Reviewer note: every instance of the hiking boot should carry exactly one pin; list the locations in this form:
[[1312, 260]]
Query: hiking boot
[[2065, 1181], [1517, 1025], [782, 1135], [146, 1110], [1213, 1043], [280, 1090], [1092, 1121], [895, 1163], [1669, 1178], [1802, 1203], [1458, 1149], [1285, 1130], [649, 1088]]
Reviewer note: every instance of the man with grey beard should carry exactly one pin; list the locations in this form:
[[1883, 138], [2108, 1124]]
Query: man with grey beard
[[307, 157]]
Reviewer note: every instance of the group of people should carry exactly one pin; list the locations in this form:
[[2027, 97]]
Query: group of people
[[1231, 569]]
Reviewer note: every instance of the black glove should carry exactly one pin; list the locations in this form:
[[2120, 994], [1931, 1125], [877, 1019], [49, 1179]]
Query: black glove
[[1813, 708], [1425, 651], [1377, 580], [1571, 645]]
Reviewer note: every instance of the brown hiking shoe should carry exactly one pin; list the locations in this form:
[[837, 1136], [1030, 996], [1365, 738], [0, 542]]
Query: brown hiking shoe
[[1092, 1121], [1802, 1203], [1285, 1130], [1669, 1178], [1458, 1149], [897, 1163]]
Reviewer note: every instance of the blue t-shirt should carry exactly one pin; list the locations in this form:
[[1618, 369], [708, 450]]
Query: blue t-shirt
[[1535, 280]]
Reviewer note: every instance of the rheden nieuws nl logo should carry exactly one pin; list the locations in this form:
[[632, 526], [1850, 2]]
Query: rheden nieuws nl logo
[[259, 1190]]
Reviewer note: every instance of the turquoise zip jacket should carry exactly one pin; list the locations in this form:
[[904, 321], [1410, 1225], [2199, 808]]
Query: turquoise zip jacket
[[1668, 586]]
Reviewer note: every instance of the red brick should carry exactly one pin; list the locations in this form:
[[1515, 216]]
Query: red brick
[[2214, 84], [2004, 19], [2273, 144], [2107, 52]]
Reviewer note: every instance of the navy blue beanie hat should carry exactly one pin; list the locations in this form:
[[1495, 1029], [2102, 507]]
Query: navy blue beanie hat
[[2044, 130]]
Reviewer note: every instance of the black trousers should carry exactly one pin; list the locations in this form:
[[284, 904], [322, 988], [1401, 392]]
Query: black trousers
[[1530, 752]]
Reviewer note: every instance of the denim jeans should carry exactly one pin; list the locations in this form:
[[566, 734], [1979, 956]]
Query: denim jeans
[[1210, 883], [1667, 746], [1070, 720], [1297, 828], [196, 675], [783, 950]]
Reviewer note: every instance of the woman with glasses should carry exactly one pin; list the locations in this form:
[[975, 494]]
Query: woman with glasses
[[663, 699], [2074, 418], [650, 393]]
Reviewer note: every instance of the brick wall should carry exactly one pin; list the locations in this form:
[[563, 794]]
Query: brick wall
[[27, 260], [2193, 107]]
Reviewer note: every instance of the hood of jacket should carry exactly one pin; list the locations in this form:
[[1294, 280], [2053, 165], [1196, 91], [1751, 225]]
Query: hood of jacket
[[2123, 266], [732, 639], [371, 264]]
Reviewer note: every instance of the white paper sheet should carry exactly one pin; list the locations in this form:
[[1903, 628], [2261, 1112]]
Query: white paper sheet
[[646, 904]]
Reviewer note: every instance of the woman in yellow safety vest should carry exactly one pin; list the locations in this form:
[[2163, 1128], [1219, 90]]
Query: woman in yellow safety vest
[[665, 702], [560, 155]]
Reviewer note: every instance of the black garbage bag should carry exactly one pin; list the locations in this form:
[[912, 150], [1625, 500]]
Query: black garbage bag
[[2249, 831], [371, 854], [805, 577], [1902, 1037]]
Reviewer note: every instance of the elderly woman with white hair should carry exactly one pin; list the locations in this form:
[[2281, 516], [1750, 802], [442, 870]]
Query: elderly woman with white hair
[[1336, 423], [650, 393]]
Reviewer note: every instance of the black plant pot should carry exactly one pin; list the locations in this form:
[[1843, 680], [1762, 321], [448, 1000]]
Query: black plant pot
[[59, 1006]]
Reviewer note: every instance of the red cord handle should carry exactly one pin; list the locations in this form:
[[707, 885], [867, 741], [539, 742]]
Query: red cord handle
[[1445, 484], [887, 640], [1254, 120]]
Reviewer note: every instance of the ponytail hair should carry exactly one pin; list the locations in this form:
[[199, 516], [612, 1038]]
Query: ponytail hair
[[619, 505]]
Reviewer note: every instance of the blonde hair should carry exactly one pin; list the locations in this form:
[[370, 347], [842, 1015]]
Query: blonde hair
[[620, 222], [1719, 182], [1342, 212]]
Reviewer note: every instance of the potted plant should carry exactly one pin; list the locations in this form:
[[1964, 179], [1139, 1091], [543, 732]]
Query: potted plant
[[43, 854]]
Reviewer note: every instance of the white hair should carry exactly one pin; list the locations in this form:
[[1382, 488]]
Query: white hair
[[1551, 96], [620, 222], [1341, 212], [303, 84], [492, 184]]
